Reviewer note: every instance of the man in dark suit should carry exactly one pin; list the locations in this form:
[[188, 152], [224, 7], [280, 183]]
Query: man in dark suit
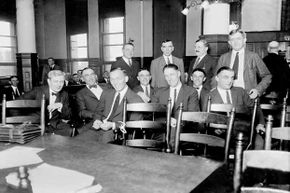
[[88, 98], [12, 92], [203, 61], [57, 103], [157, 65], [113, 101], [198, 78], [248, 66], [179, 93], [126, 63], [279, 69], [144, 89], [47, 68], [226, 93]]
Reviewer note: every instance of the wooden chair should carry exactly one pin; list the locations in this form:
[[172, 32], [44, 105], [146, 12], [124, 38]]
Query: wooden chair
[[285, 114], [147, 125], [213, 120], [239, 112], [24, 104]]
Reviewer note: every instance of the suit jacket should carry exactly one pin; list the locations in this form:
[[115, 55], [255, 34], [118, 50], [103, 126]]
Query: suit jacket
[[132, 71], [208, 64], [46, 70], [10, 94], [88, 104], [280, 73], [187, 96], [140, 89], [253, 66], [107, 101], [203, 96], [240, 98], [62, 97], [156, 70]]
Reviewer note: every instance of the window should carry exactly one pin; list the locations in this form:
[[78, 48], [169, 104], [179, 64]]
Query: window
[[79, 51], [7, 42], [112, 38]]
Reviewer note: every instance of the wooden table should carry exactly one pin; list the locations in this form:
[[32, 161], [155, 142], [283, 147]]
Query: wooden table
[[122, 169]]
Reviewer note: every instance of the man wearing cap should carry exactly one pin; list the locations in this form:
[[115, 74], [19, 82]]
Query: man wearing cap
[[279, 69]]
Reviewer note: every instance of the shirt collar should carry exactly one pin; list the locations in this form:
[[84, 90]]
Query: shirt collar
[[126, 59], [177, 87]]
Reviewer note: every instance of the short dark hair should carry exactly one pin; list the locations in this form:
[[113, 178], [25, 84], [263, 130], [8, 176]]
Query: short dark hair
[[172, 66], [50, 58], [223, 68], [205, 43], [199, 70], [13, 76], [142, 69], [165, 41]]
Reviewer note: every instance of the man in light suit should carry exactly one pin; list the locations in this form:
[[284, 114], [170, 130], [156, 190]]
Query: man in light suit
[[246, 64], [57, 103], [157, 65], [179, 93], [126, 63], [202, 61], [88, 98], [144, 90], [112, 101]]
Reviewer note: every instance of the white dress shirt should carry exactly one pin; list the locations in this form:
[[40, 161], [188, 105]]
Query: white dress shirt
[[166, 58], [223, 94], [171, 93], [127, 60], [97, 91]]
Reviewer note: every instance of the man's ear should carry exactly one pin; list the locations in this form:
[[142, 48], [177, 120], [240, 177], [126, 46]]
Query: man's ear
[[204, 79], [138, 78], [126, 79], [216, 78]]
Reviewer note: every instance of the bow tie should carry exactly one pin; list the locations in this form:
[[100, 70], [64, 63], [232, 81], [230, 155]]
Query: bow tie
[[53, 93], [93, 86]]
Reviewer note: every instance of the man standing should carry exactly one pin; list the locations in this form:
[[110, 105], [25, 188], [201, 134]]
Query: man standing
[[202, 61], [279, 69], [88, 98], [178, 93], [57, 101], [12, 92], [112, 101], [246, 65], [126, 63], [198, 78], [157, 65], [144, 90], [48, 67]]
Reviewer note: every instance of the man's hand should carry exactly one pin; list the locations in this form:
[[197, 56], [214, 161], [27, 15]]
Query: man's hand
[[107, 125], [253, 93], [173, 122], [97, 124], [260, 129], [54, 106], [144, 97]]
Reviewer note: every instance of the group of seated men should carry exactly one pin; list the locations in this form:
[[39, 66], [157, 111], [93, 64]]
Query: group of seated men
[[102, 106]]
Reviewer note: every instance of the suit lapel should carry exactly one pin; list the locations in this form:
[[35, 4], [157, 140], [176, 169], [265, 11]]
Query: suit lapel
[[179, 97], [234, 97], [90, 93], [217, 98]]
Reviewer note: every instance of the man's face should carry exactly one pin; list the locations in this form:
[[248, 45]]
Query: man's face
[[128, 51], [237, 41], [225, 79], [76, 78], [56, 83], [14, 81], [200, 49], [118, 80], [50, 62], [172, 76], [198, 78], [144, 77], [89, 77], [167, 48]]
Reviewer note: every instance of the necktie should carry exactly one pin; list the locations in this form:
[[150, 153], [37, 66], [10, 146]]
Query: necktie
[[168, 61], [130, 62], [114, 107], [93, 86], [228, 97], [17, 94], [196, 62], [146, 91], [236, 65]]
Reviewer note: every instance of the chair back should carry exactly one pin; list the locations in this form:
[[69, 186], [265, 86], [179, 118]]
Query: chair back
[[208, 118], [152, 125], [24, 104], [285, 114]]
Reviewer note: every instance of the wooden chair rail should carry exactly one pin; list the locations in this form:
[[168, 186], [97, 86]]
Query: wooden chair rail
[[203, 139]]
